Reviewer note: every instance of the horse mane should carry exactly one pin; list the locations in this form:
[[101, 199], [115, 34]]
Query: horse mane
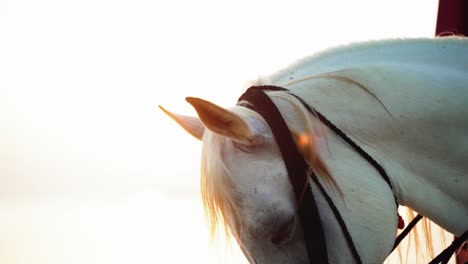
[[421, 238]]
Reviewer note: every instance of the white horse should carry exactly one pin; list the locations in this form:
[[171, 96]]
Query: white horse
[[405, 102]]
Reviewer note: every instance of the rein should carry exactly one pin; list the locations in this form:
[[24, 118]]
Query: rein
[[297, 169]]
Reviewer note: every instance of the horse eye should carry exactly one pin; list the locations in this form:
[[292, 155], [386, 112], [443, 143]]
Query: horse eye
[[244, 146], [285, 232], [249, 147]]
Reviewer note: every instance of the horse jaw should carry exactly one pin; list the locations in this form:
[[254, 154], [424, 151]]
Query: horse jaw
[[191, 124]]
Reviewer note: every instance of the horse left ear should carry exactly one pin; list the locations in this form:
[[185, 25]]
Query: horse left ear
[[190, 124], [221, 121]]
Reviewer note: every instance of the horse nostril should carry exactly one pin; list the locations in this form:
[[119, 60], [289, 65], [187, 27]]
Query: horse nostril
[[285, 231]]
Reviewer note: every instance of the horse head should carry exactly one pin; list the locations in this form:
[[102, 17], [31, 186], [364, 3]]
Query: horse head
[[246, 189]]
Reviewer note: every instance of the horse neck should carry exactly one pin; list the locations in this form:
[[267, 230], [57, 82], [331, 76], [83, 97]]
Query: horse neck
[[415, 140], [445, 51]]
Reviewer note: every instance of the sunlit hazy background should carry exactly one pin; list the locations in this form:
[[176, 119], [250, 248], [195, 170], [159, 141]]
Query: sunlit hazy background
[[90, 170]]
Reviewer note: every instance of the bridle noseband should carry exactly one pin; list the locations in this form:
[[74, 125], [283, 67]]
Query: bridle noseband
[[298, 169]]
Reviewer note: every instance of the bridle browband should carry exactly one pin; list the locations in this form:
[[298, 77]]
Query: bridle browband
[[298, 169]]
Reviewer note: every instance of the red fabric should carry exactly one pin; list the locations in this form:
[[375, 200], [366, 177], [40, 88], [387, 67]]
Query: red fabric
[[452, 18], [401, 222]]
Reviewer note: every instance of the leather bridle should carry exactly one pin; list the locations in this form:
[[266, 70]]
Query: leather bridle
[[298, 169]]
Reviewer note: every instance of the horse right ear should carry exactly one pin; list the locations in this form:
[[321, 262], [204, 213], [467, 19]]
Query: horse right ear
[[193, 125], [221, 121]]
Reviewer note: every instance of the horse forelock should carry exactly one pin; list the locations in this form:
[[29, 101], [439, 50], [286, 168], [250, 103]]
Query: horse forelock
[[217, 185], [216, 196]]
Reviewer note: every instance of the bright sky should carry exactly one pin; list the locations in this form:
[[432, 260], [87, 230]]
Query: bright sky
[[90, 170]]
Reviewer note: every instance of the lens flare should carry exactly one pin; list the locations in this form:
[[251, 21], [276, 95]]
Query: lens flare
[[304, 140]]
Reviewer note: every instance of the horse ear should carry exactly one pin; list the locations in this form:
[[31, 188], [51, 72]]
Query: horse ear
[[189, 123], [221, 121]]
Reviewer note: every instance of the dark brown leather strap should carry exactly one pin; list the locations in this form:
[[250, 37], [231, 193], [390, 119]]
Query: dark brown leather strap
[[297, 170]]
